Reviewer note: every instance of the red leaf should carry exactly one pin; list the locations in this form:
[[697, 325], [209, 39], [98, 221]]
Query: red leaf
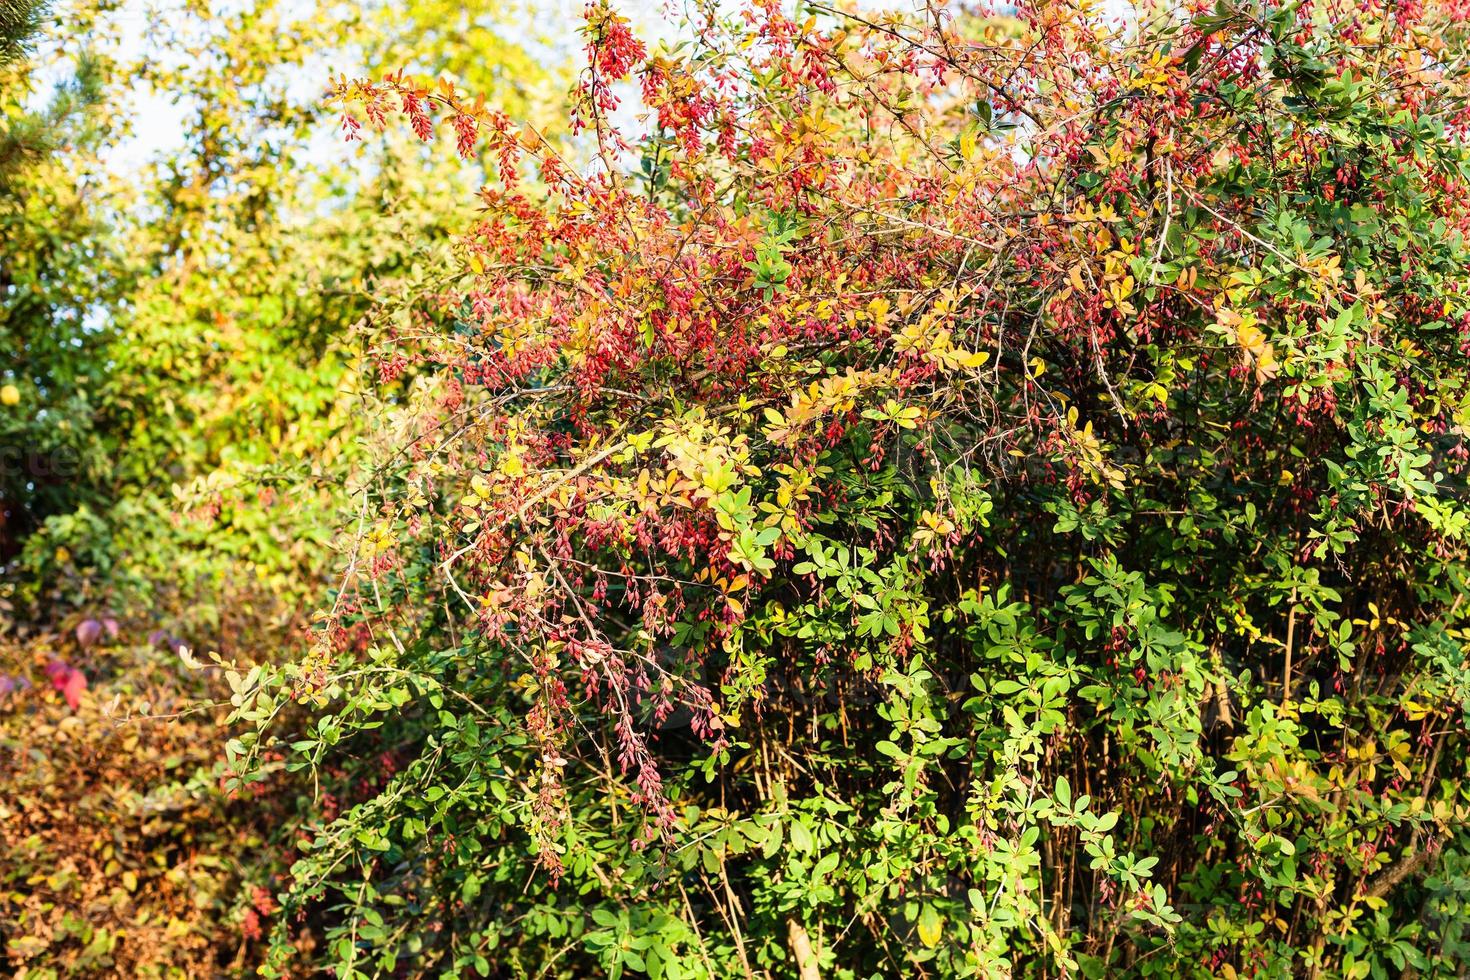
[[76, 683]]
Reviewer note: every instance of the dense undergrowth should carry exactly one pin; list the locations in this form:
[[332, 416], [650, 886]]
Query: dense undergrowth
[[972, 492]]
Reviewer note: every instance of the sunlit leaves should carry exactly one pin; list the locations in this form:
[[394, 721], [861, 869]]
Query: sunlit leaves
[[978, 495]]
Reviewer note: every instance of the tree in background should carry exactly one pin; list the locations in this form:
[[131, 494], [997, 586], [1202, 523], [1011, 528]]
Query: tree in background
[[968, 493], [176, 411], [19, 22], [191, 325], [54, 267]]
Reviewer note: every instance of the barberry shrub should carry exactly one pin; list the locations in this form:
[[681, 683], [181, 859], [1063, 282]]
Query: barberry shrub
[[973, 492]]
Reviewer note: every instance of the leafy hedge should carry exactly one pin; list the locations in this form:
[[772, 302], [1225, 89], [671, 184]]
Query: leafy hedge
[[952, 494]]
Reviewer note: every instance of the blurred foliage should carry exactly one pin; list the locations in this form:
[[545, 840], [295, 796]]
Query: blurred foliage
[[123, 856], [177, 408], [188, 325]]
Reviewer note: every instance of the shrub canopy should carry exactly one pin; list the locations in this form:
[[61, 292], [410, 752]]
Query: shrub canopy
[[962, 493]]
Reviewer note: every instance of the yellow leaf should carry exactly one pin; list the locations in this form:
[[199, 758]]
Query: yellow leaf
[[931, 927]]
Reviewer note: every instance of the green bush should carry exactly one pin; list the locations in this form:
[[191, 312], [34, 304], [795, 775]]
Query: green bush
[[937, 495]]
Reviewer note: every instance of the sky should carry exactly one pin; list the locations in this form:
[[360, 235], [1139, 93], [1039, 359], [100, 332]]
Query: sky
[[158, 120]]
